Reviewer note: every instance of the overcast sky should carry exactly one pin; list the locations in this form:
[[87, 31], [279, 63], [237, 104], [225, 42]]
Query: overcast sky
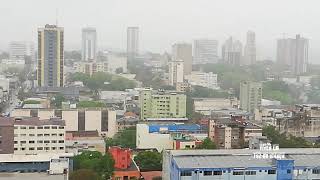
[[163, 22]]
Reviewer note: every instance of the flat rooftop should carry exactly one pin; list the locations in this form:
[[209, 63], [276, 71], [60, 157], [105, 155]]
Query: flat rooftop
[[30, 176]]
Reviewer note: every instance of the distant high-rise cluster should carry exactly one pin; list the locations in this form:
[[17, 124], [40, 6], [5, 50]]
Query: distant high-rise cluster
[[50, 56], [232, 52], [183, 51], [89, 44], [293, 53], [132, 43], [205, 51], [250, 49]]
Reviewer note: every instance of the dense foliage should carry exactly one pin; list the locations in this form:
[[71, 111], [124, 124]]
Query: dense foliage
[[90, 104], [125, 138], [285, 141], [57, 100], [31, 102], [149, 161], [104, 81], [277, 90], [102, 165], [207, 144]]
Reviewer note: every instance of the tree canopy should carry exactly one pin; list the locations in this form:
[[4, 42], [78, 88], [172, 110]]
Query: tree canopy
[[277, 90], [57, 100], [90, 104], [285, 141], [149, 161], [104, 81], [103, 165], [207, 143], [125, 138]]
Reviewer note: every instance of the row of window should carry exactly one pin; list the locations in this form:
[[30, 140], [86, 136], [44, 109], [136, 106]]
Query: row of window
[[40, 142], [39, 127], [236, 173], [39, 148], [38, 135]]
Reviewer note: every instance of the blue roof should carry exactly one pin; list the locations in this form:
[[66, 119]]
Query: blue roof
[[174, 128]]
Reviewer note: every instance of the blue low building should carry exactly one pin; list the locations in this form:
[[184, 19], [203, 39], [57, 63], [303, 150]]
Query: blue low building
[[241, 164]]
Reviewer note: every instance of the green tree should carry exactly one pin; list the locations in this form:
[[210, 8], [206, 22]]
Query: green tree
[[285, 141], [84, 174], [89, 104], [57, 100], [207, 144], [125, 138], [277, 90], [149, 161], [103, 165]]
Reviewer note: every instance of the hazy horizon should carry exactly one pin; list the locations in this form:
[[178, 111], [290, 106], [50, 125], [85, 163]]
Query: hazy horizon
[[165, 22]]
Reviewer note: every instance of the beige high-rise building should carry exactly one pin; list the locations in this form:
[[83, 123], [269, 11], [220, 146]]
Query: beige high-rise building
[[250, 49], [183, 51], [250, 95], [50, 56], [293, 53], [89, 44], [205, 51], [176, 74]]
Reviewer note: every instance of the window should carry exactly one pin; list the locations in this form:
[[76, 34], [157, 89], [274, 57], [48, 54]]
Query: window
[[15, 142], [23, 127], [237, 173], [53, 134], [61, 134], [47, 127], [46, 148], [53, 148], [31, 134], [54, 127], [15, 149], [272, 171], [39, 148], [251, 172], [31, 142], [46, 134], [207, 173], [217, 173], [53, 141], [39, 127], [22, 149], [31, 127], [40, 142], [16, 127], [61, 141], [23, 135], [289, 171], [61, 148], [46, 142], [315, 171], [39, 135], [31, 148], [186, 173], [23, 142]]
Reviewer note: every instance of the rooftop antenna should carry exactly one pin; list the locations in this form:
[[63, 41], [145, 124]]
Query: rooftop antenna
[[57, 17]]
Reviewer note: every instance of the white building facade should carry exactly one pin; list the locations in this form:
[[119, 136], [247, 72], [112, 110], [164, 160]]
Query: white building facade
[[208, 80]]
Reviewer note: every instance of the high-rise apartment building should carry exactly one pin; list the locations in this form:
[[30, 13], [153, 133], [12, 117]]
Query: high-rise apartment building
[[18, 50], [183, 51], [176, 72], [250, 49], [205, 51], [132, 43], [250, 96], [293, 53], [162, 104], [232, 52], [50, 56], [208, 80], [89, 44]]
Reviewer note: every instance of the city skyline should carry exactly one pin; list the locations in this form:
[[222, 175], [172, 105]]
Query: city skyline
[[236, 22]]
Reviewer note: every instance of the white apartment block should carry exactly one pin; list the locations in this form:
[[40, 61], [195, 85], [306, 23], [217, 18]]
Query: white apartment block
[[96, 119], [20, 49], [115, 62], [208, 80], [34, 136]]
